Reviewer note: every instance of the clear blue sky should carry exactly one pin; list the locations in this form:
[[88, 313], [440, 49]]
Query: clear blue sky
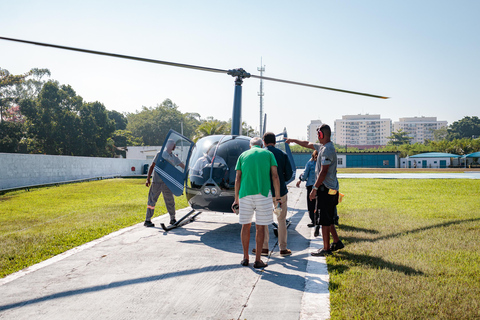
[[422, 54]]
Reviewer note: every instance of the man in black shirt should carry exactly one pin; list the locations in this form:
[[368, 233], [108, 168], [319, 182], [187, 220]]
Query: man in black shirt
[[285, 172]]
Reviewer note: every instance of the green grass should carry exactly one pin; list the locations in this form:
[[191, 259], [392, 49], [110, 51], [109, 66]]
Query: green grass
[[412, 246], [412, 250], [39, 224]]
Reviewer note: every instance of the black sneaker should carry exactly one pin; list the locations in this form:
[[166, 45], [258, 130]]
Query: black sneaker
[[310, 225], [337, 245], [172, 221], [149, 224], [321, 253]]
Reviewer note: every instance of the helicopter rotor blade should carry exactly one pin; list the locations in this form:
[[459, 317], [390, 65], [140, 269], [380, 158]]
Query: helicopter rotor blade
[[174, 64], [233, 72], [318, 87]]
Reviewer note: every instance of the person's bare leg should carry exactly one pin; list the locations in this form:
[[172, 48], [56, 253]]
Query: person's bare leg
[[333, 231], [259, 238], [245, 237], [326, 237]]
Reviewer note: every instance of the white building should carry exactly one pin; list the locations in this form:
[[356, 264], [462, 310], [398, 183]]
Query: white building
[[142, 152], [362, 131], [419, 128], [431, 160], [312, 130]]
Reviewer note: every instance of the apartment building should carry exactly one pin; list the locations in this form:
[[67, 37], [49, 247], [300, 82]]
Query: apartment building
[[362, 131], [312, 130], [419, 128]]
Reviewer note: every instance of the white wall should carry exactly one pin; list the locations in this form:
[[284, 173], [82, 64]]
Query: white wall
[[19, 170]]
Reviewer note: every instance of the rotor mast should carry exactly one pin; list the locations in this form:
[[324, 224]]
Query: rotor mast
[[240, 74]]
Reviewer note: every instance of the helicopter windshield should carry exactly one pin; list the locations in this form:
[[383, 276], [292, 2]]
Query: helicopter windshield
[[214, 158]]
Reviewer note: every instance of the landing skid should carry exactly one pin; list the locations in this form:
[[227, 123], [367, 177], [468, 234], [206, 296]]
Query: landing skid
[[275, 227], [182, 221]]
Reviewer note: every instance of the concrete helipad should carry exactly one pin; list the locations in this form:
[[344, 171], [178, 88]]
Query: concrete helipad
[[192, 272]]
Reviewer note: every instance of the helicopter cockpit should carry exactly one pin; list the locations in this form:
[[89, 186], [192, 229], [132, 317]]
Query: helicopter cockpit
[[211, 178]]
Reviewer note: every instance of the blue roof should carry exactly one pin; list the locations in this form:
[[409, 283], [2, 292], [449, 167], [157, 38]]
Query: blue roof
[[473, 155], [435, 155]]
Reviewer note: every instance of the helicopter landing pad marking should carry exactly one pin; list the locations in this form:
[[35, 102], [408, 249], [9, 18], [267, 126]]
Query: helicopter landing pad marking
[[316, 297]]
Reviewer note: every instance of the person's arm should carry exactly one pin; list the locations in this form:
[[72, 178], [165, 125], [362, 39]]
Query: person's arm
[[238, 181], [303, 143], [150, 170], [321, 177], [276, 183]]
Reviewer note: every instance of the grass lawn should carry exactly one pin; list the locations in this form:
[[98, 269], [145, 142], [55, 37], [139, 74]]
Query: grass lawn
[[412, 250], [44, 222], [412, 246]]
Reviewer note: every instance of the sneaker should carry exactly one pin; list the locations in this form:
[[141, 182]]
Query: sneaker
[[148, 224], [337, 245], [264, 252], [310, 225], [321, 253], [259, 264], [172, 221], [285, 252]]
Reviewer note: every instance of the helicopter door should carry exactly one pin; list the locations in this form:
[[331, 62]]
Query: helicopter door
[[173, 163], [285, 147]]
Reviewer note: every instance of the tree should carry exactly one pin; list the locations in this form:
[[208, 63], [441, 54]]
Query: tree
[[153, 124], [120, 140], [398, 138], [211, 127], [52, 120], [10, 135], [32, 85], [7, 88], [440, 134], [119, 118], [59, 122], [468, 127], [96, 128]]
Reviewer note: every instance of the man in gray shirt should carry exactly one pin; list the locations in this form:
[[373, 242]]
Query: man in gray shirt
[[325, 189]]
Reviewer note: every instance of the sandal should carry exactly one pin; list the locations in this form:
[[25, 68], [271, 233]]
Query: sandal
[[244, 262], [259, 264]]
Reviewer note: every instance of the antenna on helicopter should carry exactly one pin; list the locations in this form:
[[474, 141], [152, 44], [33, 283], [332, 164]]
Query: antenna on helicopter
[[261, 94]]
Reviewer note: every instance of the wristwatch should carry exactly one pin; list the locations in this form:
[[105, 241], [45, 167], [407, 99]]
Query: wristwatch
[[315, 188]]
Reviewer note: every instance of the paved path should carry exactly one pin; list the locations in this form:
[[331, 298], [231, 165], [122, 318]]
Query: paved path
[[191, 272]]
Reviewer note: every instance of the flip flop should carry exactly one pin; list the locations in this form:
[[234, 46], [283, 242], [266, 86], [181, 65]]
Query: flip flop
[[244, 262]]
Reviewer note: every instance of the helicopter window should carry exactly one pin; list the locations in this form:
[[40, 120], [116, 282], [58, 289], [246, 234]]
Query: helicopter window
[[176, 150], [215, 157]]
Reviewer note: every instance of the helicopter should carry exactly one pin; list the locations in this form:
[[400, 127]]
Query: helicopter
[[208, 174]]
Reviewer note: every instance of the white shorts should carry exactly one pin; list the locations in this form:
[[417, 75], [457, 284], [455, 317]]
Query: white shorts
[[261, 205]]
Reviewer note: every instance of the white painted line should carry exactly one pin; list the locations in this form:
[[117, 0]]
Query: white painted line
[[316, 297]]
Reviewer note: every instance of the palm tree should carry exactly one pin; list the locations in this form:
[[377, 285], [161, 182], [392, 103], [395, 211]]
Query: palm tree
[[209, 128]]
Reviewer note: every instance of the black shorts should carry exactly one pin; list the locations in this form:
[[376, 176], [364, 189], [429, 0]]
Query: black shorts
[[326, 204]]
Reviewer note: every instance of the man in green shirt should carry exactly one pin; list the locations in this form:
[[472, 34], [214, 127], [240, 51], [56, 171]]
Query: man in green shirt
[[253, 195]]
